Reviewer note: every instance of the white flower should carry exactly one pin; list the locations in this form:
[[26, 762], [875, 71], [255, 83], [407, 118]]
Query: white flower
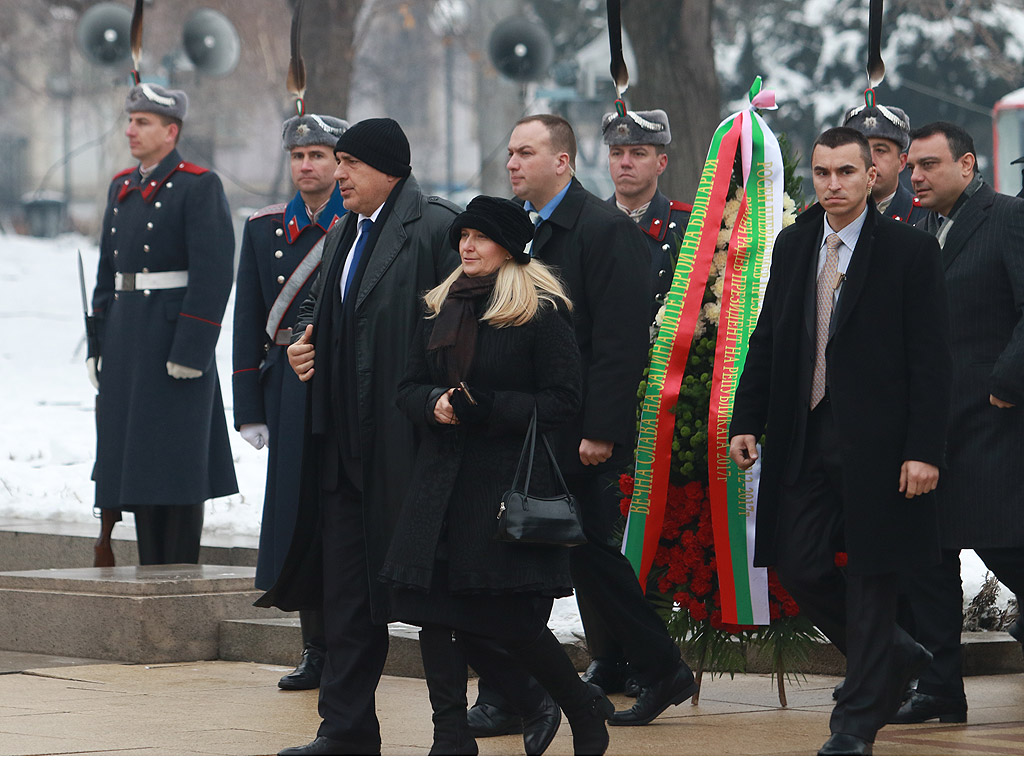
[[788, 205], [718, 287], [718, 262], [732, 209], [711, 311], [724, 235], [788, 218], [660, 316]]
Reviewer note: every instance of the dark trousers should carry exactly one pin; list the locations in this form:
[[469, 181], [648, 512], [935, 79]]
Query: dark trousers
[[936, 598], [168, 533], [856, 612], [607, 591], [356, 647]]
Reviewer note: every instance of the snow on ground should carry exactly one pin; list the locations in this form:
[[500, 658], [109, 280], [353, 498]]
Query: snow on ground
[[47, 434]]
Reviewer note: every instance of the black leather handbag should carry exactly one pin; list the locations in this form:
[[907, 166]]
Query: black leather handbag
[[530, 519]]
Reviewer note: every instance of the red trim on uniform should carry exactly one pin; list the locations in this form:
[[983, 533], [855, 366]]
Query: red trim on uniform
[[200, 319], [675, 205], [270, 210], [657, 229], [191, 168], [125, 172], [917, 202], [334, 221], [244, 370], [293, 230]]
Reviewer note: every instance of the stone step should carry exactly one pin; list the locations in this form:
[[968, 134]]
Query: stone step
[[279, 641], [140, 614], [33, 544]]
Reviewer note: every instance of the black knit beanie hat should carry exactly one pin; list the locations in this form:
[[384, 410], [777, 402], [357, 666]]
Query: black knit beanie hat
[[379, 142], [504, 221]]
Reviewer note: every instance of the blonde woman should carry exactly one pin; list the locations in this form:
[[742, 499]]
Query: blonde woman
[[496, 343]]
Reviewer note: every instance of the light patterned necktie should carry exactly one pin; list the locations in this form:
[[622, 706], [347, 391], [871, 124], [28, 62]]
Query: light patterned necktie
[[827, 280], [536, 218]]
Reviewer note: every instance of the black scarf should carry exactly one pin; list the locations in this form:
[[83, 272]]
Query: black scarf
[[453, 339]]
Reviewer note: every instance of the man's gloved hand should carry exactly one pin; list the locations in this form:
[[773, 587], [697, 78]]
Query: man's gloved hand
[[257, 435], [92, 365], [467, 413], [182, 371]]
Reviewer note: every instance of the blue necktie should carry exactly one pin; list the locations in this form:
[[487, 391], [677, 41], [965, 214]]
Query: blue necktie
[[357, 253]]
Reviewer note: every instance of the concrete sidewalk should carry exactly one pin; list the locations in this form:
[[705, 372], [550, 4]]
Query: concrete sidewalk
[[63, 707]]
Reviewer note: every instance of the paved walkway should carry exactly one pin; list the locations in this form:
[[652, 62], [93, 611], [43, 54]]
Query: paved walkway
[[232, 708]]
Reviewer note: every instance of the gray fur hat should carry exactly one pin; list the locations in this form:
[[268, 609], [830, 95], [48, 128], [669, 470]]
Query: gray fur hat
[[880, 122], [641, 127], [150, 97], [310, 130]]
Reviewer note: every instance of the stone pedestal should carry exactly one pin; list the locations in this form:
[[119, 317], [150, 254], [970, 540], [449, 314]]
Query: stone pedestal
[[140, 614]]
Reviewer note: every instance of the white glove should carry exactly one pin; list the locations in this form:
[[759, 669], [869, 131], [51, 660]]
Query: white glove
[[92, 365], [257, 435], [182, 371]]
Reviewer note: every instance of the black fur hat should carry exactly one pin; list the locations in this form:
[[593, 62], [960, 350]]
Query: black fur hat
[[504, 221]]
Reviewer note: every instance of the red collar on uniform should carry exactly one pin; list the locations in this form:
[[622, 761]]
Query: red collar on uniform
[[151, 187]]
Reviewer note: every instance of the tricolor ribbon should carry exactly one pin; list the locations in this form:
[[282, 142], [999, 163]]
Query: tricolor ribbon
[[744, 589]]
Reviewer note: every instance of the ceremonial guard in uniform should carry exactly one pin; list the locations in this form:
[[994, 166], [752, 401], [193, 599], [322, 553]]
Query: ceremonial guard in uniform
[[281, 251], [164, 277], [636, 158], [888, 131]]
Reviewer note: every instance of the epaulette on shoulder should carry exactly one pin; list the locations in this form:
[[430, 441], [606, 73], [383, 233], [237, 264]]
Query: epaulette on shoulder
[[125, 172], [192, 168], [270, 210], [675, 205], [438, 200]]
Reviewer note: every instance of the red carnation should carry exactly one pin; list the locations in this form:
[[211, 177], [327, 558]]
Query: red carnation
[[774, 611], [694, 490], [698, 611], [626, 485], [841, 559]]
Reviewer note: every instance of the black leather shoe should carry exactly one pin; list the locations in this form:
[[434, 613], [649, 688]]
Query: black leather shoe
[[845, 744], [486, 720], [922, 707], [540, 727], [631, 688], [609, 676], [321, 746], [912, 669], [654, 699], [307, 675]]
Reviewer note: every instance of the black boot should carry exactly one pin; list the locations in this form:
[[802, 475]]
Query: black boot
[[444, 665], [307, 674], [584, 704]]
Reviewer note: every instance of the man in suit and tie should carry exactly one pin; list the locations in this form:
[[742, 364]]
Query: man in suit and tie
[[349, 342], [847, 378], [981, 496]]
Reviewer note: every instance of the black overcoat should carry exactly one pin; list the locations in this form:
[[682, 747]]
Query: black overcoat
[[981, 497], [161, 440], [889, 378], [664, 224], [275, 242], [463, 470], [600, 255], [411, 255]]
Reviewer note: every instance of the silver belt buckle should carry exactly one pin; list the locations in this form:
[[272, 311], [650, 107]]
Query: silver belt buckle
[[127, 281]]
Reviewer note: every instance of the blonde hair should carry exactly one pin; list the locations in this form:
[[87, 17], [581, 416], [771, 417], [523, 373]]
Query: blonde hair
[[517, 294]]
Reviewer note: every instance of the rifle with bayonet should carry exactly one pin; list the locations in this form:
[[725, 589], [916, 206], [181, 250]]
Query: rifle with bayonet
[[102, 552]]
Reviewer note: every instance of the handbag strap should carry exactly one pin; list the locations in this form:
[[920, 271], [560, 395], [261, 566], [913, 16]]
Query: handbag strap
[[554, 465], [531, 442]]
